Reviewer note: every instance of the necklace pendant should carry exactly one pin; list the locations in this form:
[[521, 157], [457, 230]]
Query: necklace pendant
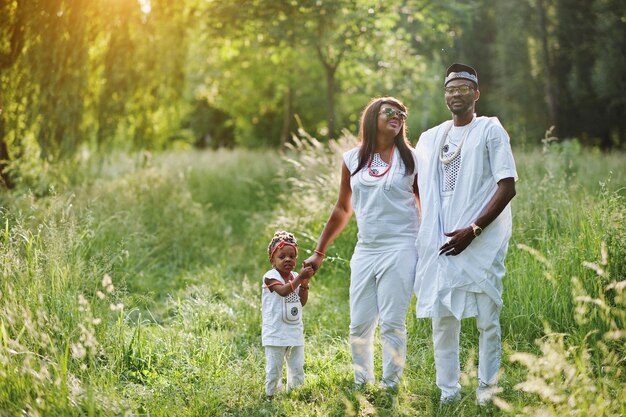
[[374, 171]]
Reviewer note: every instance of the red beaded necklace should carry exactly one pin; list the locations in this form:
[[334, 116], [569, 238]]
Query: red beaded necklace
[[369, 164]]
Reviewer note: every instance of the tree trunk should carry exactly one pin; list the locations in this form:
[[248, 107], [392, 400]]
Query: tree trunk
[[287, 116], [550, 86], [330, 69], [15, 29], [330, 100], [5, 179]]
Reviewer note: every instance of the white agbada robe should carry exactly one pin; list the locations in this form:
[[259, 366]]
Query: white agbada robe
[[443, 282]]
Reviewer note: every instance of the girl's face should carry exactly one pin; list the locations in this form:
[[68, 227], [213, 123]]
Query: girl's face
[[284, 259]]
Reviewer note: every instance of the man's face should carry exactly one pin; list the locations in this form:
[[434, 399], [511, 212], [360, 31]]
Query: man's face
[[460, 96]]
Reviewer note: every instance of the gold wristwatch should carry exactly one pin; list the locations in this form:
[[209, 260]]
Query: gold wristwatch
[[477, 229]]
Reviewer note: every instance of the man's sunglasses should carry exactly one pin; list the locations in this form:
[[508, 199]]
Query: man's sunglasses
[[390, 113], [463, 89]]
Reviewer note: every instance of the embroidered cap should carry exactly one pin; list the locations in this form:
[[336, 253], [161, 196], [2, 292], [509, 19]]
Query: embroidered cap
[[460, 71]]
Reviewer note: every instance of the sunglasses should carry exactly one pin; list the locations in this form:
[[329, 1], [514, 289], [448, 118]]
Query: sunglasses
[[390, 113], [463, 89]]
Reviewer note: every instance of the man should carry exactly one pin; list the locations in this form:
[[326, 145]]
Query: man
[[466, 179]]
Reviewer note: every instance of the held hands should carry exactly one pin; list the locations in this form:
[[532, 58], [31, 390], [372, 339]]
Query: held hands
[[306, 272], [459, 240], [314, 261]]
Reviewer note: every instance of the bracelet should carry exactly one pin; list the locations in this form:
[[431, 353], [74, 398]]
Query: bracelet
[[291, 283], [320, 253], [304, 287]]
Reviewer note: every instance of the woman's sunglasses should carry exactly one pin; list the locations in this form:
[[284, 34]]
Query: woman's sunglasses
[[390, 113]]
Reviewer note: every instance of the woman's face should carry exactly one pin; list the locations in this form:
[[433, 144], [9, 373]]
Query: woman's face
[[390, 119]]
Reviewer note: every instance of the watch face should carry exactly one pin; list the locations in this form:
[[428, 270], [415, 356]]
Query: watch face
[[478, 231]]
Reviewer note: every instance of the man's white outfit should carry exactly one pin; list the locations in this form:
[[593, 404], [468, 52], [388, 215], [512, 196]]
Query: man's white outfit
[[382, 266], [283, 341], [455, 186]]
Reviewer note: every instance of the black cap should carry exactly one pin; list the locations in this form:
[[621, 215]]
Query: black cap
[[460, 71]]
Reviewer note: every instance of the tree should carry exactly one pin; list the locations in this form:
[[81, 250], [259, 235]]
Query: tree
[[547, 59], [334, 32], [11, 35]]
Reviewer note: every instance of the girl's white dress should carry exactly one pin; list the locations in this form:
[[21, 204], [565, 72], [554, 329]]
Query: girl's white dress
[[283, 341], [275, 331]]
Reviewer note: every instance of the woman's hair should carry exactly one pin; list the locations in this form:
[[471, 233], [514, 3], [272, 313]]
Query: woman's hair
[[281, 236], [368, 130]]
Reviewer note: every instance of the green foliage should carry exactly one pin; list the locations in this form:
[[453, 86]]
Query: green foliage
[[137, 289], [103, 75], [85, 73], [63, 316]]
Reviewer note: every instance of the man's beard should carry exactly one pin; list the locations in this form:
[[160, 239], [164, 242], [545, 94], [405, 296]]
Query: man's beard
[[460, 111]]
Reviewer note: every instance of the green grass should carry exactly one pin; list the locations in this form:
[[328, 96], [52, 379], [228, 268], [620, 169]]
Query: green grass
[[183, 238]]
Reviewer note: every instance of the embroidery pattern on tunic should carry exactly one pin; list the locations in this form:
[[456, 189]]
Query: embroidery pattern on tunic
[[451, 172]]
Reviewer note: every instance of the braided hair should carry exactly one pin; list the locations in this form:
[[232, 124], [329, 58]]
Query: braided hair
[[283, 237]]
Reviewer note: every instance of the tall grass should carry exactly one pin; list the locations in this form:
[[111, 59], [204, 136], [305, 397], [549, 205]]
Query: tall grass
[[135, 290], [158, 231]]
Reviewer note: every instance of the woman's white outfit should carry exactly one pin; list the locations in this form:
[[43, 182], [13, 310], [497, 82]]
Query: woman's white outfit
[[283, 341], [382, 266]]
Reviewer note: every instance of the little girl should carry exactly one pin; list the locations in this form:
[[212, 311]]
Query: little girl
[[284, 294]]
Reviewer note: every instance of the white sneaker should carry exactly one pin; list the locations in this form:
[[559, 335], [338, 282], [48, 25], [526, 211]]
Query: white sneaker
[[449, 399], [484, 395], [483, 402]]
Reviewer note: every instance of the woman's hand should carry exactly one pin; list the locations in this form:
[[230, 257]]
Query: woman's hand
[[314, 261], [339, 217]]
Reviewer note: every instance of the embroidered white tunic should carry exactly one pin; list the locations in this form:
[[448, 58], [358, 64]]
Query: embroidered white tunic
[[384, 207], [443, 282], [275, 331]]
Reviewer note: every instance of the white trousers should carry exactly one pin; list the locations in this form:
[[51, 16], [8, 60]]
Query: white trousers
[[274, 357], [446, 334], [381, 286]]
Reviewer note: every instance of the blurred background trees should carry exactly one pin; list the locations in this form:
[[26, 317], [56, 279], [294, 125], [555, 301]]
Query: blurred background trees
[[84, 77]]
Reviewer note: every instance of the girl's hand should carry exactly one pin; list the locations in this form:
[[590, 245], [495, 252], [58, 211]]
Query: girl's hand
[[306, 272]]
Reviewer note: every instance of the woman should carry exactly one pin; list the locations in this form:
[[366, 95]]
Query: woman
[[378, 182]]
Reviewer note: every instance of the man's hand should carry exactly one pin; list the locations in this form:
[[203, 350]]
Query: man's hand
[[459, 240]]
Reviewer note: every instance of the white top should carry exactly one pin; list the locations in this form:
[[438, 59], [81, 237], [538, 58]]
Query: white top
[[486, 158], [385, 208], [275, 331]]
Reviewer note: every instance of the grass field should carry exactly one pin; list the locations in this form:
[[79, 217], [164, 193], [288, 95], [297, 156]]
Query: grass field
[[135, 290]]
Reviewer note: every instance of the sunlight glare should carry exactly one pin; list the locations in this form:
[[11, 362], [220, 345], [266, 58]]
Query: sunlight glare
[[146, 7]]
